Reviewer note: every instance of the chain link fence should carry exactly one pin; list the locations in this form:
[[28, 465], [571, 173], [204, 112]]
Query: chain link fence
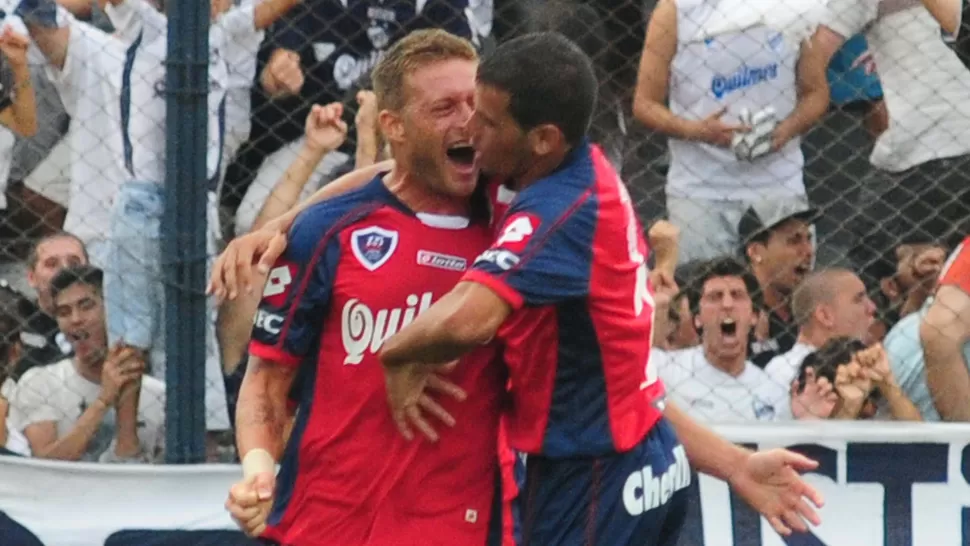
[[741, 141]]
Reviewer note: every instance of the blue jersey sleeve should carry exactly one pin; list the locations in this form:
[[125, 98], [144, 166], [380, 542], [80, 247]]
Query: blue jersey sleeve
[[544, 251], [297, 290]]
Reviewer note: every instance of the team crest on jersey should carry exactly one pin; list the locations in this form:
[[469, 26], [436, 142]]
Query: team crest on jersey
[[373, 246]]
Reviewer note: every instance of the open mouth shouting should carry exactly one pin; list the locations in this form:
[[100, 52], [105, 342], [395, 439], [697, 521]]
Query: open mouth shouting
[[461, 157]]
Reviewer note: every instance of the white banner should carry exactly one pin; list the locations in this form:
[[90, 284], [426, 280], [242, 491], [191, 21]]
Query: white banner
[[885, 485]]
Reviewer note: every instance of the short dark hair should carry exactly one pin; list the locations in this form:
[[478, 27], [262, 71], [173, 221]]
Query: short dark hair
[[827, 359], [549, 80], [77, 274], [726, 266], [33, 255]]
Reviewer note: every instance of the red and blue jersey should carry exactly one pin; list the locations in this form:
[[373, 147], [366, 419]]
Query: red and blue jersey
[[570, 259], [358, 269]]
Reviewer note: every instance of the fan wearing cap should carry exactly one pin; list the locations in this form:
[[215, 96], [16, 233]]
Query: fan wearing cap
[[778, 243]]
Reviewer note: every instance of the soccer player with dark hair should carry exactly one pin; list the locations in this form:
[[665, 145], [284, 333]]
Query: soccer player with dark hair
[[564, 288]]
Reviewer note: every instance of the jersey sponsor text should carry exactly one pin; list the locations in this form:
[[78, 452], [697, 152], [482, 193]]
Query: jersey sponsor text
[[364, 330]]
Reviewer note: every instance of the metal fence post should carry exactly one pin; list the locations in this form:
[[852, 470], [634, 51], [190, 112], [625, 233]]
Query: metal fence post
[[184, 230]]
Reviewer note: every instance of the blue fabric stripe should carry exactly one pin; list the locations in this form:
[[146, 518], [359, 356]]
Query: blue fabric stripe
[[126, 103], [214, 179]]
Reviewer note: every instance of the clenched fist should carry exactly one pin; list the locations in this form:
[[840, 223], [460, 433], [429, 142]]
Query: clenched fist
[[283, 74], [325, 130]]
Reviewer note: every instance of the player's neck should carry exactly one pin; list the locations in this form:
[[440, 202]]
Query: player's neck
[[732, 365], [540, 167], [419, 197]]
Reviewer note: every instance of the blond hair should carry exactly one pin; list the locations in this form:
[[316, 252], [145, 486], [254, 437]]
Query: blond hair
[[416, 50]]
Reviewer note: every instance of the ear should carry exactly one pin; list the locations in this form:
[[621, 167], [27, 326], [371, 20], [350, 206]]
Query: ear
[[392, 126], [754, 251], [546, 139], [889, 287], [823, 314], [32, 279]]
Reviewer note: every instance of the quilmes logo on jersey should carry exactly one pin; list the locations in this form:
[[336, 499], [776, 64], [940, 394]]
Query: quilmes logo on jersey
[[363, 330], [742, 78], [373, 246]]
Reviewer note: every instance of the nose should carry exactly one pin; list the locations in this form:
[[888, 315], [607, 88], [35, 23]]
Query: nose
[[870, 307]]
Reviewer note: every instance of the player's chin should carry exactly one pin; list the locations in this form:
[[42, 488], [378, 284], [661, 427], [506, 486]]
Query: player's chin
[[462, 178]]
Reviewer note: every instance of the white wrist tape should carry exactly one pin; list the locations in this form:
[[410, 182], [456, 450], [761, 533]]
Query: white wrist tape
[[258, 461]]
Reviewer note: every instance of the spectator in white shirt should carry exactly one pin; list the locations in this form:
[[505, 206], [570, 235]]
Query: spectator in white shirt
[[828, 304], [715, 382], [99, 405], [711, 96], [920, 189], [11, 440]]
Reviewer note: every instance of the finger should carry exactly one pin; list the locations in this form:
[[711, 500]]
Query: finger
[[778, 526], [243, 271], [415, 418], [809, 492], [808, 513], [264, 485], [794, 521], [275, 249], [447, 388], [432, 407], [228, 277], [337, 110], [258, 530], [243, 493], [447, 367], [341, 126], [402, 424], [720, 112], [798, 461], [243, 514]]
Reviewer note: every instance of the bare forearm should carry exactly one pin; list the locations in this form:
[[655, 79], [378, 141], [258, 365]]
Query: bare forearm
[[348, 182], [657, 116], [24, 107], [286, 192], [946, 12], [946, 369], [900, 406], [366, 153], [73, 446], [261, 411], [807, 112], [127, 444], [52, 43], [706, 451], [78, 8], [269, 11]]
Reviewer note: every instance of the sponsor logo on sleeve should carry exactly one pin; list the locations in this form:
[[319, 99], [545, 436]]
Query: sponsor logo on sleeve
[[518, 231], [279, 283]]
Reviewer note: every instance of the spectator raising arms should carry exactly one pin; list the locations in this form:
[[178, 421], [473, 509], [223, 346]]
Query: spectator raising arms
[[315, 54], [99, 405]]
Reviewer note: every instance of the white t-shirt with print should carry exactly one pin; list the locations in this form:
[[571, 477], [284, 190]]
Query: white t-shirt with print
[[924, 82], [60, 394], [16, 441], [710, 395]]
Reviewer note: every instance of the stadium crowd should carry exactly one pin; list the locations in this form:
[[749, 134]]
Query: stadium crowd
[[810, 278]]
